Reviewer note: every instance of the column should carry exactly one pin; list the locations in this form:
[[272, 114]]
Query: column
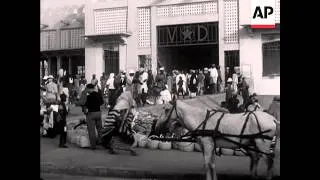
[[58, 63], [70, 66], [154, 55], [132, 46], [49, 66], [221, 38]]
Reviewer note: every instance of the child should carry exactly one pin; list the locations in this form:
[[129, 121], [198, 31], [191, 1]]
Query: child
[[62, 122], [180, 87]]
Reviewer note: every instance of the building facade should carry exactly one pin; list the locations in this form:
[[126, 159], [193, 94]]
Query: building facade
[[62, 41], [180, 34]]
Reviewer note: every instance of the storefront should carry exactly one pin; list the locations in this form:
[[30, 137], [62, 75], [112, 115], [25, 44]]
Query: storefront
[[128, 34]]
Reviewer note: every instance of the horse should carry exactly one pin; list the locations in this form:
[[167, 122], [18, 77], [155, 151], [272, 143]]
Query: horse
[[190, 117]]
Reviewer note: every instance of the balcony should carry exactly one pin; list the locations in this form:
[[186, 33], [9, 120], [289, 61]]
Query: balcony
[[62, 39]]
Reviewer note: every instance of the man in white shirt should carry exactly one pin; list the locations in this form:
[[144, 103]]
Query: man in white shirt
[[214, 75]]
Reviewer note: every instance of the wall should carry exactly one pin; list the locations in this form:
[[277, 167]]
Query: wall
[[94, 63], [251, 54]]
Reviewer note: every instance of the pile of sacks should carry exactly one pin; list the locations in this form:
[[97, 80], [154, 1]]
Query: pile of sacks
[[79, 135], [143, 122]]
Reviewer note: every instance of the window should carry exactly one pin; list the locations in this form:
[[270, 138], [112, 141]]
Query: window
[[271, 58], [81, 70], [145, 61]]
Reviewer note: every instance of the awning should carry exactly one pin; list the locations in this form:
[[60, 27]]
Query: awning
[[249, 26]]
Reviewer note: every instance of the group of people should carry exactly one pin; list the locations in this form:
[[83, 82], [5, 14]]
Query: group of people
[[143, 88]]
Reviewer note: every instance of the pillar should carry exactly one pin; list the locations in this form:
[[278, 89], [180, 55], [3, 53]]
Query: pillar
[[154, 55], [132, 46], [58, 63], [49, 66], [70, 66], [221, 38]]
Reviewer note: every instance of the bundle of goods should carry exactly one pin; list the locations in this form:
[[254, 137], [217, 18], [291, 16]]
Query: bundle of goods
[[79, 136], [163, 145], [153, 144], [143, 122]]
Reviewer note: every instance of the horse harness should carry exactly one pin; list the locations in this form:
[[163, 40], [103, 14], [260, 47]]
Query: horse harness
[[217, 134]]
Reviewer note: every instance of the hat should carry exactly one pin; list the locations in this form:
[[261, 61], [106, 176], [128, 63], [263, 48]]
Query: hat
[[229, 80], [131, 71], [45, 78], [162, 68], [276, 98], [205, 69], [90, 86], [50, 77]]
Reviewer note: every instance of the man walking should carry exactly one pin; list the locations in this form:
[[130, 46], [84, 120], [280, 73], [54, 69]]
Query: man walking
[[93, 103], [214, 74]]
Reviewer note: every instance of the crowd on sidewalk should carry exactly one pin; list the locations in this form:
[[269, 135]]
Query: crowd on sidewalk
[[57, 94]]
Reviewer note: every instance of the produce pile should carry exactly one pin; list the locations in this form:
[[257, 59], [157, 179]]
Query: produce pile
[[143, 122]]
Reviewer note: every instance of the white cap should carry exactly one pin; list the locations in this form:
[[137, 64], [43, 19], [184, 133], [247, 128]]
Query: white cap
[[131, 71], [205, 69], [45, 78], [229, 80], [162, 68], [50, 77]]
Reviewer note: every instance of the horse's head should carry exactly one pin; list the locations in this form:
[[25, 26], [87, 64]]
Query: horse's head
[[168, 117]]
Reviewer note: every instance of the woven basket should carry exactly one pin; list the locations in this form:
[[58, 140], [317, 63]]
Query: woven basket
[[142, 141], [197, 147], [84, 141], [152, 144], [165, 145], [186, 146]]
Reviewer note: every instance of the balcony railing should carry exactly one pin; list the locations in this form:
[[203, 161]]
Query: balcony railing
[[59, 39]]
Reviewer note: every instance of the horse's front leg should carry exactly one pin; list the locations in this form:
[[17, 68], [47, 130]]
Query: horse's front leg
[[208, 154], [254, 161]]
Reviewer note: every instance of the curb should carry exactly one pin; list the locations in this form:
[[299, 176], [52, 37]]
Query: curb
[[110, 172]]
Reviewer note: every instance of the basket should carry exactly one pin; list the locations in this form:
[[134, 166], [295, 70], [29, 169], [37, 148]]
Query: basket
[[142, 141], [164, 145], [197, 147], [152, 144], [186, 146], [84, 141]]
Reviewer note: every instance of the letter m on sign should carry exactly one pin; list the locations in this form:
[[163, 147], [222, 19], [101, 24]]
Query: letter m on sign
[[263, 14]]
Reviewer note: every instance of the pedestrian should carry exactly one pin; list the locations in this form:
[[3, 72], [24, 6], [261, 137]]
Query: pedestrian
[[208, 82], [51, 91], [235, 79], [214, 74], [103, 82], [62, 121], [161, 79], [136, 88], [143, 78], [193, 84], [169, 82], [173, 90], [245, 91], [94, 122], [94, 80], [180, 87], [219, 80], [112, 90], [233, 103], [229, 90], [200, 79]]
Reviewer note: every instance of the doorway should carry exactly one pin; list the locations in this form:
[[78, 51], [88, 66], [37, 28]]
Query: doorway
[[111, 58]]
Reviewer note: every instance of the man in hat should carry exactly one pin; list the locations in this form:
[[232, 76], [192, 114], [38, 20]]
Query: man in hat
[[229, 90], [193, 84], [93, 104], [200, 79], [161, 79], [51, 91], [208, 82]]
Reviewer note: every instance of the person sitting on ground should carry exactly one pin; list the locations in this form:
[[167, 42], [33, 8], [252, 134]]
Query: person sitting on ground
[[165, 96], [252, 104]]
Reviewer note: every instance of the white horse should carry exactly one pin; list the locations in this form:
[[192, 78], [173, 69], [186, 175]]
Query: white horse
[[190, 117]]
